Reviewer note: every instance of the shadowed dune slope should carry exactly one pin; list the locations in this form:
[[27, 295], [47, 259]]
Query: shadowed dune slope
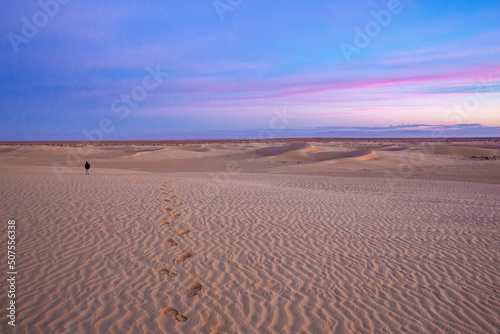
[[278, 150], [306, 152]]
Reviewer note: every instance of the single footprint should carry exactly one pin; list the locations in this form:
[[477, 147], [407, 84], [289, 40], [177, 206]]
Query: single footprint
[[166, 223], [193, 289], [175, 215], [173, 196], [183, 257], [163, 189], [217, 330], [182, 232], [168, 209], [174, 314], [171, 242], [166, 200], [166, 271]]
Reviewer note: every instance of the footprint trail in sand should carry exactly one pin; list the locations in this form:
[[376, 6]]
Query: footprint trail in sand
[[194, 288]]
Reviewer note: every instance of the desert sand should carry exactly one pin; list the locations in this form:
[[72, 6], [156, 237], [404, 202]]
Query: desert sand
[[278, 236]]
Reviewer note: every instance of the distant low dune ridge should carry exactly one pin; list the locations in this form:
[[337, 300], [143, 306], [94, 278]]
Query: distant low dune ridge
[[278, 150]]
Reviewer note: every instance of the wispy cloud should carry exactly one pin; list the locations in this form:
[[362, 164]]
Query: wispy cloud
[[398, 131], [409, 131], [480, 88]]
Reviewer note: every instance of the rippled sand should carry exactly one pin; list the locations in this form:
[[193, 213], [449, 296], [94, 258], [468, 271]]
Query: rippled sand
[[255, 238]]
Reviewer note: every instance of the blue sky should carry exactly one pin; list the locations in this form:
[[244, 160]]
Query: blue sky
[[226, 67]]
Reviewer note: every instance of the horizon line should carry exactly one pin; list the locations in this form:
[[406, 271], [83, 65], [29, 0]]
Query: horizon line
[[437, 139]]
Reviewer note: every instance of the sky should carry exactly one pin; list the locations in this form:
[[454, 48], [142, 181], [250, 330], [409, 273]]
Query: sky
[[126, 70]]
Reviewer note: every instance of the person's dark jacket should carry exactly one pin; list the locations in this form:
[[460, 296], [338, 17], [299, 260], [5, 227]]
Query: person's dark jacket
[[87, 165]]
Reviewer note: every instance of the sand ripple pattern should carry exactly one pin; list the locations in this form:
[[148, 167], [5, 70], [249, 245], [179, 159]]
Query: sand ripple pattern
[[273, 253]]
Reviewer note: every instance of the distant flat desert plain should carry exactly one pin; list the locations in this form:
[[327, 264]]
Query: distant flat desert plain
[[267, 236]]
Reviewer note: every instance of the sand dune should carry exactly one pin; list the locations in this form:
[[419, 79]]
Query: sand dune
[[279, 150], [393, 148], [196, 148], [250, 250], [7, 149], [465, 151], [431, 160], [362, 154], [306, 152]]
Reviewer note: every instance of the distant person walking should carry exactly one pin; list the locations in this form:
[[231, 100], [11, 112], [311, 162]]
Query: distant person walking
[[87, 168]]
